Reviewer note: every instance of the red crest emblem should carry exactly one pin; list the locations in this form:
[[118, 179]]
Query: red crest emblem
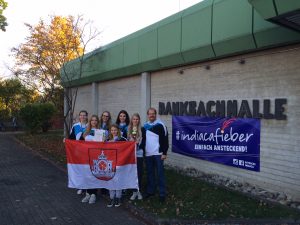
[[103, 163]]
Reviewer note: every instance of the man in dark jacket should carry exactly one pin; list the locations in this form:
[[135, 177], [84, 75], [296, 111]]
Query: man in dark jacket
[[155, 143]]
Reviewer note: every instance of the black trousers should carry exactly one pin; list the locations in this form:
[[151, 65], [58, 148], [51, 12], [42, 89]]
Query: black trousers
[[91, 191]]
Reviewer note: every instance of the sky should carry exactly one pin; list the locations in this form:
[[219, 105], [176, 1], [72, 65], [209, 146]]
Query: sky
[[114, 18]]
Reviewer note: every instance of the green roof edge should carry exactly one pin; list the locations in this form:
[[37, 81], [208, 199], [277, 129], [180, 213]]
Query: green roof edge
[[196, 34]]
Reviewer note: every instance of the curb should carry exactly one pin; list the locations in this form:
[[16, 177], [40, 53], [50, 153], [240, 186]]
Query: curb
[[151, 219], [140, 214], [224, 222]]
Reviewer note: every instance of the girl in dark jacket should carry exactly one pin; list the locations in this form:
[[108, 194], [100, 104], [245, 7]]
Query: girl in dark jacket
[[115, 195]]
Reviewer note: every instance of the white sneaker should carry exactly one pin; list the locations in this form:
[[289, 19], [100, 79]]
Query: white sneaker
[[139, 195], [133, 196], [92, 199], [117, 202], [86, 198], [111, 203], [79, 192]]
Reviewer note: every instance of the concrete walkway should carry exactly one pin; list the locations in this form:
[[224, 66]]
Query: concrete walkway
[[35, 192]]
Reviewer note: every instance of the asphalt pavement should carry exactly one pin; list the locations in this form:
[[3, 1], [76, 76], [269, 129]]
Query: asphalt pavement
[[33, 191]]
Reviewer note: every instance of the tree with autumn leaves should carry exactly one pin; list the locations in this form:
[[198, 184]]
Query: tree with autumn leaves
[[47, 48], [3, 23], [39, 61]]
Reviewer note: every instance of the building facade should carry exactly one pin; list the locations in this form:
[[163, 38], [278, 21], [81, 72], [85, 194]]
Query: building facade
[[207, 54]]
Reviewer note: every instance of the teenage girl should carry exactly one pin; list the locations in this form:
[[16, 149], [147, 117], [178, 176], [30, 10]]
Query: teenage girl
[[135, 134], [123, 122], [115, 195], [78, 129], [91, 194], [105, 122]]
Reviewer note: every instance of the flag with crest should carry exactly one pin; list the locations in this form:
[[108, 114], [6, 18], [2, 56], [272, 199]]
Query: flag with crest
[[110, 165]]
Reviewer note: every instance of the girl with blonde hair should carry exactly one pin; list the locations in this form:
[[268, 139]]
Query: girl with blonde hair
[[135, 134]]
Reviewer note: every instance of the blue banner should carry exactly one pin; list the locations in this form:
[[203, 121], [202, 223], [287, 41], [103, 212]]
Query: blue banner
[[229, 141]]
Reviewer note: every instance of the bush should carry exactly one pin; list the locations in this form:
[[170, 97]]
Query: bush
[[5, 114], [37, 116]]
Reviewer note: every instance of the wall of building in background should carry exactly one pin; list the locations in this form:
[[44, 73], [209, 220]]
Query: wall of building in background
[[264, 75], [268, 74]]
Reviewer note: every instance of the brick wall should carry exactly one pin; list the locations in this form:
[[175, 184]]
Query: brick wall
[[119, 94], [84, 100], [113, 96], [265, 75]]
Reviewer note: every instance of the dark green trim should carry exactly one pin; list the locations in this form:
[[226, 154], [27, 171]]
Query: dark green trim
[[270, 9], [287, 6], [208, 30], [266, 8]]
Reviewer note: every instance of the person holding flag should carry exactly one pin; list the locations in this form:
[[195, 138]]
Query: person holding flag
[[91, 194], [115, 195], [97, 164], [77, 130], [135, 134]]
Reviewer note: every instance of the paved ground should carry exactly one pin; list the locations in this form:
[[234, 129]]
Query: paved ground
[[34, 192]]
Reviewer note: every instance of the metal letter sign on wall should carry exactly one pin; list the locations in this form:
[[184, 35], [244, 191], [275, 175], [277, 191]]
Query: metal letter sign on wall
[[229, 141], [274, 109]]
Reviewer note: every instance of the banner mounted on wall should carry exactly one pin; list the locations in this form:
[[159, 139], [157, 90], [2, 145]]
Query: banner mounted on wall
[[229, 141]]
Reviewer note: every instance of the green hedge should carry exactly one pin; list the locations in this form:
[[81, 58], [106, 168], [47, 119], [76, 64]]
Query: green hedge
[[37, 116]]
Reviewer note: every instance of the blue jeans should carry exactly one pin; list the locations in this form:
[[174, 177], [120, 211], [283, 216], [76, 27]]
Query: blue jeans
[[155, 165]]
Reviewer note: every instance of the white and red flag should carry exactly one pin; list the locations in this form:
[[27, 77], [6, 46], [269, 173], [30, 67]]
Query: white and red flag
[[110, 165]]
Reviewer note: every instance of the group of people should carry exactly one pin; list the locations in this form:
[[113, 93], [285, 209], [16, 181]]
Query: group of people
[[152, 145]]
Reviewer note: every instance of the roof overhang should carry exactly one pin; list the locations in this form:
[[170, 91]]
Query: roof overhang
[[282, 12]]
